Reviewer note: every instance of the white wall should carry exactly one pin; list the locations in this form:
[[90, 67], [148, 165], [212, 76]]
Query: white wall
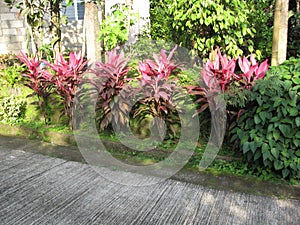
[[12, 31]]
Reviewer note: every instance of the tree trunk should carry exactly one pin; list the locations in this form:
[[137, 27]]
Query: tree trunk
[[102, 18], [55, 26], [129, 3], [91, 30], [298, 9], [280, 32]]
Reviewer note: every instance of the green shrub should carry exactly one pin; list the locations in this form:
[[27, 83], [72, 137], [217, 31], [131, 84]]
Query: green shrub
[[114, 29], [268, 133], [294, 36], [203, 25], [12, 102], [12, 109], [7, 60], [161, 21], [11, 76], [261, 18]]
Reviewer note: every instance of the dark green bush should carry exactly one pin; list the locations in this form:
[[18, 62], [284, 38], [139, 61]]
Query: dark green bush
[[294, 36], [161, 21], [262, 17], [268, 133]]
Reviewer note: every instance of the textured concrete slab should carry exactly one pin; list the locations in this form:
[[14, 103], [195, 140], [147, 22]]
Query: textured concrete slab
[[36, 189], [221, 181]]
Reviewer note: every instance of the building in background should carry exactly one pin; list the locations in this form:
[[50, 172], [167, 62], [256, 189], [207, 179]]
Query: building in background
[[13, 31]]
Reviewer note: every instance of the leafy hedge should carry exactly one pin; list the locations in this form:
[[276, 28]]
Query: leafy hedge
[[12, 109], [268, 132]]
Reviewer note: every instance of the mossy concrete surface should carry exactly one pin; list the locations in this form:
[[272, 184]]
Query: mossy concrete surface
[[63, 146]]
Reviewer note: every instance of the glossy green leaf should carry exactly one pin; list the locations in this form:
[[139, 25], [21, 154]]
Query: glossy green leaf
[[285, 130], [293, 111], [275, 152], [285, 173], [246, 147], [278, 164], [276, 134], [296, 142], [252, 146], [257, 120], [297, 120], [257, 155], [296, 80]]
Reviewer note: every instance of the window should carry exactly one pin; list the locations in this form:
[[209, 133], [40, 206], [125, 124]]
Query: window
[[75, 11]]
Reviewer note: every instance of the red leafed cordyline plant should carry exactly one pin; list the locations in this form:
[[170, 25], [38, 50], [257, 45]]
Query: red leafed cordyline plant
[[36, 79], [111, 78], [220, 77], [67, 75], [157, 88], [155, 76], [251, 71], [215, 78]]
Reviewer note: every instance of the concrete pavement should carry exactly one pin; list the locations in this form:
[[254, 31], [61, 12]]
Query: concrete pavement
[[37, 189]]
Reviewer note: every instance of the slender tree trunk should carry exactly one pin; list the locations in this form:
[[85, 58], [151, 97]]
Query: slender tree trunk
[[102, 18], [280, 32], [129, 3], [91, 31], [55, 26], [30, 35], [34, 47], [298, 9]]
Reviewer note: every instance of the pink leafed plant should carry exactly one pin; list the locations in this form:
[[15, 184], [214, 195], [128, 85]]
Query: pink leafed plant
[[219, 76], [162, 66], [155, 75], [157, 87], [251, 71], [34, 77], [67, 75], [221, 70], [111, 78], [37, 80], [216, 77]]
